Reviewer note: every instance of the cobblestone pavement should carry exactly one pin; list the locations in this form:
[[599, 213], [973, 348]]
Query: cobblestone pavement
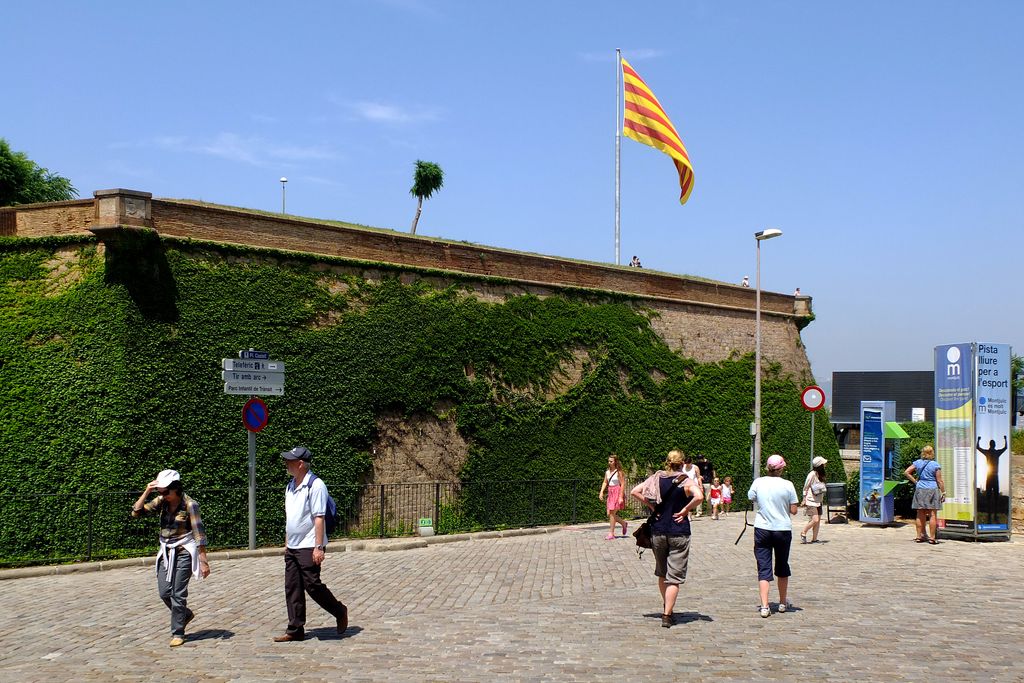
[[564, 605]]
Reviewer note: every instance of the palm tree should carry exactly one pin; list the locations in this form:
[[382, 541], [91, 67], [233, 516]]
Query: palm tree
[[427, 179]]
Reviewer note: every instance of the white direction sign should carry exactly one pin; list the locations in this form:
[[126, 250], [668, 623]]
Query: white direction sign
[[260, 365], [253, 376], [254, 388], [247, 376]]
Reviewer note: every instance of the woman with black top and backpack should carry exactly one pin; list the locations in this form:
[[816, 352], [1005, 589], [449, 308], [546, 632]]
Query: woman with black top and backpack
[[670, 495]]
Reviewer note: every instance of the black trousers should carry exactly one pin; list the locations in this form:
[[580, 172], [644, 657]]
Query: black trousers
[[301, 576]]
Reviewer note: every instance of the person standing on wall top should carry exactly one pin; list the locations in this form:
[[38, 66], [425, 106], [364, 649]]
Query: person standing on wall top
[[182, 553], [635, 262], [305, 504]]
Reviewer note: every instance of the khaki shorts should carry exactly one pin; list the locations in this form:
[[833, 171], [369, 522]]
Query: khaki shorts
[[671, 555]]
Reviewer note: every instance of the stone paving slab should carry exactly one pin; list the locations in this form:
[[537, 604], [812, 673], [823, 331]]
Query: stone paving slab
[[562, 606]]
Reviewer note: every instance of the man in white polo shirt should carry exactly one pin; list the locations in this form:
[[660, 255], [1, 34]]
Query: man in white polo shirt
[[305, 504]]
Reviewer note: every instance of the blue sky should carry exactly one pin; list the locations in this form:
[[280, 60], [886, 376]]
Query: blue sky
[[884, 139]]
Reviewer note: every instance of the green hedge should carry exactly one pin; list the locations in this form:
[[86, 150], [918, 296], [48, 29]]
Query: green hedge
[[110, 371], [921, 434]]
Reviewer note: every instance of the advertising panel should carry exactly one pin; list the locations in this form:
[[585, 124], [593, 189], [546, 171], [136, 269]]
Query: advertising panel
[[872, 461], [954, 433], [992, 435]]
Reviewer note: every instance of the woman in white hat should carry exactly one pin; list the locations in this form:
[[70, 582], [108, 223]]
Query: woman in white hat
[[773, 530], [182, 546], [814, 496]]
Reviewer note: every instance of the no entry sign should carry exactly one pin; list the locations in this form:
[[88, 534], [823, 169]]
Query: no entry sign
[[254, 414], [813, 398]]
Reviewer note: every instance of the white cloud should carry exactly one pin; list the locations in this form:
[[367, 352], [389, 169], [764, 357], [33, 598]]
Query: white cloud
[[381, 112], [255, 151], [317, 180]]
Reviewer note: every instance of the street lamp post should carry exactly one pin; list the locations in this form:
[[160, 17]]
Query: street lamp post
[[283, 181], [759, 237]]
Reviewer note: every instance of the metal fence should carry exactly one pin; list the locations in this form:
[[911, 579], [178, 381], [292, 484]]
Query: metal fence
[[84, 526]]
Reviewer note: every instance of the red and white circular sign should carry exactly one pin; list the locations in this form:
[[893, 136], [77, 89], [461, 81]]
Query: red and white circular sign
[[813, 398]]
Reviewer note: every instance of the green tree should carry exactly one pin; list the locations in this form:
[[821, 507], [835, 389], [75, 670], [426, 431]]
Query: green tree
[[427, 179], [1016, 378], [23, 181]]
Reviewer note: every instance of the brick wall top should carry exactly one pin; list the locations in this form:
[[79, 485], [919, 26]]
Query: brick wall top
[[223, 224]]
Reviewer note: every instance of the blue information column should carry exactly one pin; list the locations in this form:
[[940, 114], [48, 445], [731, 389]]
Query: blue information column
[[876, 498], [973, 405]]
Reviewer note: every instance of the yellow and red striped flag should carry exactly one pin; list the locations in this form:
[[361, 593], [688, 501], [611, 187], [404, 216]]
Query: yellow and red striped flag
[[645, 121]]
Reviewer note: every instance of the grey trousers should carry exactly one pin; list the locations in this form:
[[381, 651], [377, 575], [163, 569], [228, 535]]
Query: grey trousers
[[174, 593]]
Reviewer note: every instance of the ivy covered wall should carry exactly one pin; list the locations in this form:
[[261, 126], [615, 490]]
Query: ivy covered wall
[[110, 371]]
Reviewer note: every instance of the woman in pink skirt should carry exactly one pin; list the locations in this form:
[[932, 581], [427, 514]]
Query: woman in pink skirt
[[615, 485]]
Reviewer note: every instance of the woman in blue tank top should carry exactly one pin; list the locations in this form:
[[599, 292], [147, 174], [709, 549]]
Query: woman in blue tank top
[[929, 493], [671, 496]]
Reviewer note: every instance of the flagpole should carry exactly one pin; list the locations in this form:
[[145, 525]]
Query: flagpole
[[618, 125]]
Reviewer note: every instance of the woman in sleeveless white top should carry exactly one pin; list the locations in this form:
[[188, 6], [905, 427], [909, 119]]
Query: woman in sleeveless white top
[[614, 485], [693, 472]]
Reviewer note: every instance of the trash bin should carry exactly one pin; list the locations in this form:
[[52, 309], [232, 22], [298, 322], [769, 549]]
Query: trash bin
[[835, 497]]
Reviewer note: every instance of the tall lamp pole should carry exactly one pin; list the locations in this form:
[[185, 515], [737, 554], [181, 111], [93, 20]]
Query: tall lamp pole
[[283, 182], [759, 237]]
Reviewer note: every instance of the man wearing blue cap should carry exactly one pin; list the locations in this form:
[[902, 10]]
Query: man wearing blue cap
[[305, 504]]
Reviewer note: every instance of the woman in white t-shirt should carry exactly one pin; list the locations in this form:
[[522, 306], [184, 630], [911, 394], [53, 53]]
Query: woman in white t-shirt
[[773, 530], [615, 485], [814, 495]]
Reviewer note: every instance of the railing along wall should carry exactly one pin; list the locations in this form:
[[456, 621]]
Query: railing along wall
[[84, 526]]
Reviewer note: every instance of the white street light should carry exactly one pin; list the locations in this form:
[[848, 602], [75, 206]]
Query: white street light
[[759, 237], [283, 181]]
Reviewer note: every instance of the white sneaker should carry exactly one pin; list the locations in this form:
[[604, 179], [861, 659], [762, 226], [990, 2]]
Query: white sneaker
[[785, 607], [765, 612]]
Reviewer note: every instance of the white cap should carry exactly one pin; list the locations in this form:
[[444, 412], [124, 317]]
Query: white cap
[[164, 479]]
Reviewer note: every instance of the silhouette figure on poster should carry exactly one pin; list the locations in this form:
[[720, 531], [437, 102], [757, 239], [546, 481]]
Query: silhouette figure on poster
[[992, 480]]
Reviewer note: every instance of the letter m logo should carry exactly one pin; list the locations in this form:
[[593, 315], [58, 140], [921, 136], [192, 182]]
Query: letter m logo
[[953, 370]]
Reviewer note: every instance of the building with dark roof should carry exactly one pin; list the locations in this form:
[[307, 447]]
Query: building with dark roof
[[908, 388]]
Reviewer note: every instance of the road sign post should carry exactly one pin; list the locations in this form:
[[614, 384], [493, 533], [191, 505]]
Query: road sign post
[[252, 490], [253, 374], [812, 399]]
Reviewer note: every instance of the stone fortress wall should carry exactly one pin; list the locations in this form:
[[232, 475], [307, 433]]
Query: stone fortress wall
[[708, 321], [702, 319]]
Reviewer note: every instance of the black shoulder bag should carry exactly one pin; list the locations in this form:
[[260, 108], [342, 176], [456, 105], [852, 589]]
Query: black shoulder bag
[[643, 535]]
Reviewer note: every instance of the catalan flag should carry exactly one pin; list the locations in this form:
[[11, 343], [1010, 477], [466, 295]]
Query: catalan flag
[[645, 121]]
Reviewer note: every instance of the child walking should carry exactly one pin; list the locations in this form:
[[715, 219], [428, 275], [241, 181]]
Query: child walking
[[716, 497], [727, 495]]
